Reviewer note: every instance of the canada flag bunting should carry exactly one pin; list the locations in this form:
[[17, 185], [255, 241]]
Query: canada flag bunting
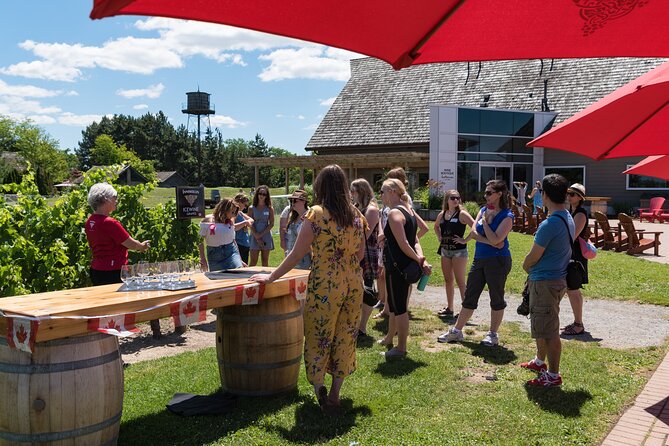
[[21, 333], [298, 288], [121, 325], [189, 311], [251, 294]]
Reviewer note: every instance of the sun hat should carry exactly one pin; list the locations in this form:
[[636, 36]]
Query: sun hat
[[299, 194], [577, 188]]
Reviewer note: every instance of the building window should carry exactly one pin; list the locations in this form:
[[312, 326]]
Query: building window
[[636, 182], [573, 174]]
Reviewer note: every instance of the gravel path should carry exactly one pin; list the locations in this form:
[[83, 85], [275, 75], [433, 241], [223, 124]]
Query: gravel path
[[611, 323]]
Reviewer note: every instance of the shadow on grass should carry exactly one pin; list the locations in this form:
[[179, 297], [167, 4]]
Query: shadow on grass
[[140, 343], [491, 355], [312, 426], [381, 324], [164, 427], [397, 368], [584, 337], [567, 403], [364, 341]]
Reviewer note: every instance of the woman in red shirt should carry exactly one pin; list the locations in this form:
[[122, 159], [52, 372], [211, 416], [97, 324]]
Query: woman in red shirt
[[107, 238]]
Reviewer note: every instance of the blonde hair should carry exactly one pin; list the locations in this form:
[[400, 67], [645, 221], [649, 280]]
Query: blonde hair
[[399, 188], [444, 206]]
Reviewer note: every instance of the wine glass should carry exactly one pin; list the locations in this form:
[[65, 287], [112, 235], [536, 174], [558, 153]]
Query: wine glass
[[142, 268], [126, 275]]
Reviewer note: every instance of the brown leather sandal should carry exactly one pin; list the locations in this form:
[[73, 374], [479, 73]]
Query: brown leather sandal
[[573, 329]]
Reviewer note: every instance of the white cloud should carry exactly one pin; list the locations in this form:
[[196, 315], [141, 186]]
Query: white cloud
[[71, 93], [311, 127], [140, 107], [42, 119], [280, 116], [328, 102], [226, 121], [301, 117], [305, 63], [178, 40], [151, 92], [68, 118], [26, 91]]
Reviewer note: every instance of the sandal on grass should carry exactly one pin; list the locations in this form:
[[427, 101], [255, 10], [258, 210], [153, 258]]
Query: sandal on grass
[[573, 329]]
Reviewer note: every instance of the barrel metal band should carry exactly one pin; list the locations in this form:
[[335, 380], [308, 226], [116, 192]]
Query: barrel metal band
[[267, 318], [57, 436], [33, 369], [260, 366], [63, 341]]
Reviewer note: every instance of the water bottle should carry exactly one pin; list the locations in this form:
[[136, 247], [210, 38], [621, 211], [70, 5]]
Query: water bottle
[[422, 283]]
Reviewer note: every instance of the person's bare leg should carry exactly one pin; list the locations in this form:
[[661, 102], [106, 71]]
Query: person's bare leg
[[392, 328], [402, 323], [335, 390], [576, 301], [496, 317], [265, 257], [553, 351], [463, 318], [254, 257], [449, 280], [366, 313], [460, 273]]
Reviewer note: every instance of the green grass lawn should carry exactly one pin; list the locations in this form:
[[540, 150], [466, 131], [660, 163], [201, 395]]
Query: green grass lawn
[[440, 395], [162, 194]]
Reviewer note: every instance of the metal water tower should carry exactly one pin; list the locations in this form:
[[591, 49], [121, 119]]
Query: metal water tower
[[197, 104]]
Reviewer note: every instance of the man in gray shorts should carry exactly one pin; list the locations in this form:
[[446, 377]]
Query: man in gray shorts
[[546, 264]]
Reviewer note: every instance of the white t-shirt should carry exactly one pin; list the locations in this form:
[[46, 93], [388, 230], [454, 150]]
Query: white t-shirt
[[217, 234], [286, 212]]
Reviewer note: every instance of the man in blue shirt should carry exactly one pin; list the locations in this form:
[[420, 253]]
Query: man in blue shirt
[[547, 264]]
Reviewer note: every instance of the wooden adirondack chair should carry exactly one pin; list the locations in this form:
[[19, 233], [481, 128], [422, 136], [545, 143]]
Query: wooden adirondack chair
[[530, 219], [611, 238], [541, 215], [518, 219], [653, 211], [664, 215], [637, 243]]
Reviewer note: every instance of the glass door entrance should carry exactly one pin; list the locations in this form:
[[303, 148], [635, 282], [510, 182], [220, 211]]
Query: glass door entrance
[[497, 171]]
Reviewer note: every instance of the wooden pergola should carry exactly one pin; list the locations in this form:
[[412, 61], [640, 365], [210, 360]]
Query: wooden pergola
[[348, 162]]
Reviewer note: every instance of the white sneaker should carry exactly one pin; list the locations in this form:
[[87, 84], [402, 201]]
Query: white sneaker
[[490, 339], [452, 335]]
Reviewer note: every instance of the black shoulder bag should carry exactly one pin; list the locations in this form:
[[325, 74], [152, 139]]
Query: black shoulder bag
[[372, 292], [575, 270]]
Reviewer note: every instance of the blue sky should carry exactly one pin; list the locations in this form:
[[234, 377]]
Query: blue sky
[[64, 71]]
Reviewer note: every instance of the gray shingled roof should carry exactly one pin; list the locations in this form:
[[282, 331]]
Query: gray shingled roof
[[380, 106]]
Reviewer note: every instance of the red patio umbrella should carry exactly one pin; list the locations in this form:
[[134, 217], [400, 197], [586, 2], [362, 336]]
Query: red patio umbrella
[[406, 32], [654, 166], [631, 121]]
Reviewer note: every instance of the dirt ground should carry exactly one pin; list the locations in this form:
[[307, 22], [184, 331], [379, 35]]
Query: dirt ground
[[612, 324]]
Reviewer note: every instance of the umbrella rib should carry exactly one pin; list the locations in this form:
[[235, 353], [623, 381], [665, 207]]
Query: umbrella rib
[[634, 129], [414, 51]]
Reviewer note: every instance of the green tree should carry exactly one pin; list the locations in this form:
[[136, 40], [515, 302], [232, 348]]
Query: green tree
[[106, 152], [36, 146]]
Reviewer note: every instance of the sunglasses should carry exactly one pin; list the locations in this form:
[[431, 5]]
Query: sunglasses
[[489, 193], [262, 194], [454, 197], [572, 194]]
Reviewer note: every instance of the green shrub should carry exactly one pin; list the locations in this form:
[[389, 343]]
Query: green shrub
[[472, 207], [44, 247]]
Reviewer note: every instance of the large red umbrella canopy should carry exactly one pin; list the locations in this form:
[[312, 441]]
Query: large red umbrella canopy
[[406, 32], [654, 166], [631, 121]]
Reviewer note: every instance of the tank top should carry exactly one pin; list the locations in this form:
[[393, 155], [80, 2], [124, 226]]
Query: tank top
[[391, 249], [450, 228]]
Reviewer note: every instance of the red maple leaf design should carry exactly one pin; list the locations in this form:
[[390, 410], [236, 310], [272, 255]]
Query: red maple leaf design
[[112, 325], [21, 334], [302, 287], [189, 309], [250, 292]]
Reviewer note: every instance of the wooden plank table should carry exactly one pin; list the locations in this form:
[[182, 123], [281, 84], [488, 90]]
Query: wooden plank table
[[107, 300]]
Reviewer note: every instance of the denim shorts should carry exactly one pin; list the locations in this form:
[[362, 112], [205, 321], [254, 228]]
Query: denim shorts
[[223, 257], [452, 253]]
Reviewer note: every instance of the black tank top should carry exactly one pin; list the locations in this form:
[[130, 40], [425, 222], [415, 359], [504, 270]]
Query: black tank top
[[450, 228], [391, 250]]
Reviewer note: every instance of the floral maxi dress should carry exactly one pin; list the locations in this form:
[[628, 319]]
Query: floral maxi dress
[[334, 297]]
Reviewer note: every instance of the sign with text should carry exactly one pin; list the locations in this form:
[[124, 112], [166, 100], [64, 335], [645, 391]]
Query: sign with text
[[190, 202]]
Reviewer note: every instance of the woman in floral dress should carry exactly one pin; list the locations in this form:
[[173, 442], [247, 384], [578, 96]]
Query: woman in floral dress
[[335, 233]]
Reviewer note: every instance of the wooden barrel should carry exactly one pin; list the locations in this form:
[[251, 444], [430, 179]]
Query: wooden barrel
[[69, 391], [259, 347]]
